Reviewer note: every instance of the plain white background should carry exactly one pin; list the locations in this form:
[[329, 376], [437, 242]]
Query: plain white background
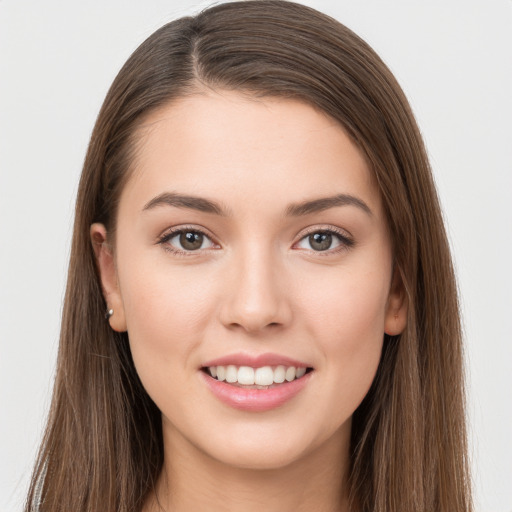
[[57, 59]]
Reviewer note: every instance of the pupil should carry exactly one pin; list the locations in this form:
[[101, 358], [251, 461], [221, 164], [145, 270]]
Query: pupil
[[320, 241], [191, 241]]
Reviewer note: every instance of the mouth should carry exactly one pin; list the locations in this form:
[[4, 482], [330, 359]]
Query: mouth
[[256, 383], [263, 377]]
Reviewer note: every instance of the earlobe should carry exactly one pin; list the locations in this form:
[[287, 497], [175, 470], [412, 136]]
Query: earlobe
[[108, 276], [396, 307]]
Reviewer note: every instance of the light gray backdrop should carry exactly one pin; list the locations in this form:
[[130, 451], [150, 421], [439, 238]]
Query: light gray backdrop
[[57, 59]]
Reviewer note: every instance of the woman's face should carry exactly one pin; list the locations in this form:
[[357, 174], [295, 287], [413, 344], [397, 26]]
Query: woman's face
[[251, 240]]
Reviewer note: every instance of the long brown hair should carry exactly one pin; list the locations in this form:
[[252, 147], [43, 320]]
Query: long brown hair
[[102, 448]]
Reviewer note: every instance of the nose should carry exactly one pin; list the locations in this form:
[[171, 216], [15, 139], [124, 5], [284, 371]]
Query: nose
[[255, 298]]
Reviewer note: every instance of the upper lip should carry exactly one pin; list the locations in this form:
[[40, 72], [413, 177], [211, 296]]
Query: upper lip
[[256, 361]]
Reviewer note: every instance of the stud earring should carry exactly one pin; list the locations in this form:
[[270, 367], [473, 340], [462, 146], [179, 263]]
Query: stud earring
[[109, 313]]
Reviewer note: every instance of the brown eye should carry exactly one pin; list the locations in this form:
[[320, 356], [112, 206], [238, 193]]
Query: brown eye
[[320, 241], [191, 240], [186, 240], [324, 240]]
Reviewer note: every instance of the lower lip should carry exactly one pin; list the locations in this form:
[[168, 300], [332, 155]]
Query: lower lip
[[255, 400]]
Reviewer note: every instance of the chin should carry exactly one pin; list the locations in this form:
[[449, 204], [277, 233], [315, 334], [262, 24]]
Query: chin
[[277, 447], [258, 459]]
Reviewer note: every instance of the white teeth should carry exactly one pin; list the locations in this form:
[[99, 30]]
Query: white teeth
[[279, 374], [221, 373], [231, 373], [264, 376], [290, 373], [246, 375]]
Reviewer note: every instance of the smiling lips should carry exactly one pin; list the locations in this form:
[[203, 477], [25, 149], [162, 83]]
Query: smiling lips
[[262, 377], [255, 383]]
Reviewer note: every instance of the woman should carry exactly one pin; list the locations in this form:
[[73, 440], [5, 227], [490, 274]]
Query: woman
[[257, 218]]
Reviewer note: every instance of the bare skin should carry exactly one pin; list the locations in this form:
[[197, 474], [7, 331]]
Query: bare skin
[[292, 258], [196, 486]]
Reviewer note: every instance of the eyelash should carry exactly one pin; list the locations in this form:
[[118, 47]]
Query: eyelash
[[345, 242], [169, 235]]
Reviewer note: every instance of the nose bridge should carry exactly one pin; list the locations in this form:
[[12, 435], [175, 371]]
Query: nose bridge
[[257, 298]]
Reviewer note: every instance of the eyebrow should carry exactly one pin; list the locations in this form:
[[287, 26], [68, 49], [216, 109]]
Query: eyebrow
[[324, 203], [183, 201], [294, 210]]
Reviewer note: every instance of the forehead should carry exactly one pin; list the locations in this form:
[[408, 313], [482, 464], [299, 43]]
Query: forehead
[[228, 145]]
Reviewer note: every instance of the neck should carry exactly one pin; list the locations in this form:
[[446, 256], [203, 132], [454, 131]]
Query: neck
[[192, 480]]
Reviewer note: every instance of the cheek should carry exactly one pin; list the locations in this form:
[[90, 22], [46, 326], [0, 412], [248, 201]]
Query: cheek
[[347, 323], [348, 306], [166, 310], [165, 299]]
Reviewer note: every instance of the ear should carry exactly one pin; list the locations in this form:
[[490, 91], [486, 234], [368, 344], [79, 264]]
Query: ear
[[396, 307], [108, 276]]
